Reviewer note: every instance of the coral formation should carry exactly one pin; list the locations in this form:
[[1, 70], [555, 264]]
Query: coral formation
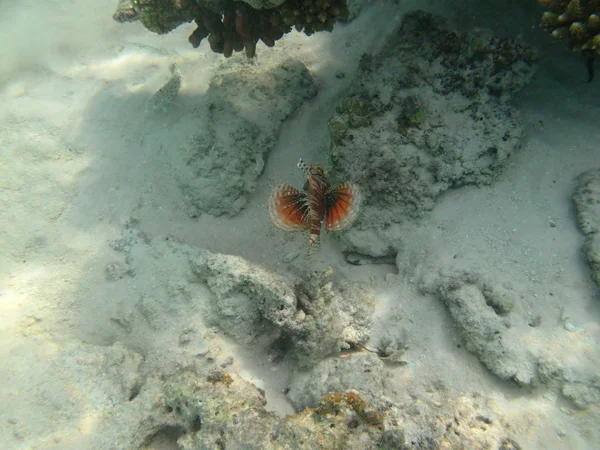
[[587, 205], [234, 26], [400, 131], [575, 21]]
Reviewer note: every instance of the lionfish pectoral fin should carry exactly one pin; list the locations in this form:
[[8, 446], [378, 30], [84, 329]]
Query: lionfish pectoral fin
[[343, 204], [288, 208]]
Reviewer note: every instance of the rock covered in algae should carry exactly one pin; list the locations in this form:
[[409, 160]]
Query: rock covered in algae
[[575, 21], [429, 112], [587, 206], [244, 109], [231, 414], [305, 319]]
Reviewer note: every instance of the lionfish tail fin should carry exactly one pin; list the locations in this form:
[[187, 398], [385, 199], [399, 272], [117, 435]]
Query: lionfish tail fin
[[343, 205], [288, 208]]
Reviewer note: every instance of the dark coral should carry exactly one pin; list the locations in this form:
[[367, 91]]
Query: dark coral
[[240, 27], [234, 26]]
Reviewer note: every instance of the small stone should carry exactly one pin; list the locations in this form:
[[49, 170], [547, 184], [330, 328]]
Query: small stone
[[535, 321], [291, 256], [116, 271]]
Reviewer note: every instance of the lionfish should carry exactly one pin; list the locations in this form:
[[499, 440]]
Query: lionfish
[[294, 210]]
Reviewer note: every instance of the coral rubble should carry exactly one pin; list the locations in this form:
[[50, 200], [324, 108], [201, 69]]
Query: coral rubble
[[234, 26], [575, 21]]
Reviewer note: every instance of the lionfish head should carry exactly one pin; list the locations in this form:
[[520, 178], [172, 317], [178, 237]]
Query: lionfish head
[[314, 172], [317, 170]]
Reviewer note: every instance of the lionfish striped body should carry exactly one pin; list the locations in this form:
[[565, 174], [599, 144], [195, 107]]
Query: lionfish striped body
[[293, 210]]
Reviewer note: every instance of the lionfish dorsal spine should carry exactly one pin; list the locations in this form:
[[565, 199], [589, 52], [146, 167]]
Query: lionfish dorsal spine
[[303, 167]]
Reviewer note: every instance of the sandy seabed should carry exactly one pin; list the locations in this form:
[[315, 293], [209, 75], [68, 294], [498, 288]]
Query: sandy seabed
[[90, 181]]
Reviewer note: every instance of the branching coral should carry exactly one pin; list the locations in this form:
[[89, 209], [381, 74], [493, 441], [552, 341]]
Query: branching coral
[[239, 28], [577, 22], [233, 26]]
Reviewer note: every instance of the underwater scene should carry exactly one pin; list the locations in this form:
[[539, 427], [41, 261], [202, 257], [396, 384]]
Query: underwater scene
[[300, 224]]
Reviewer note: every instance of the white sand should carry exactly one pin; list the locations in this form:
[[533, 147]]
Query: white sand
[[80, 159]]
